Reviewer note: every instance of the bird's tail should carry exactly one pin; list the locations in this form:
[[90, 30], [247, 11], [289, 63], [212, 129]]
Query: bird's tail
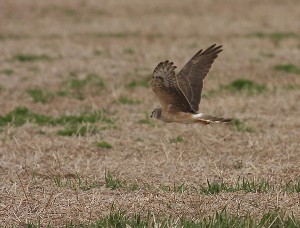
[[207, 119]]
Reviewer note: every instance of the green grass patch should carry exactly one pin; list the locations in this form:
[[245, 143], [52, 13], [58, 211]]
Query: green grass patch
[[7, 72], [125, 100], [22, 115], [104, 145], [129, 51], [61, 93], [116, 35], [275, 36], [74, 181], [211, 188], [68, 12], [144, 82], [240, 185], [81, 124], [78, 130], [288, 68], [90, 79], [267, 54], [31, 57], [292, 87], [245, 85], [141, 78], [178, 139], [147, 121], [40, 96], [13, 36], [123, 219], [178, 188], [293, 186], [98, 52], [209, 93], [113, 182], [78, 87], [241, 127]]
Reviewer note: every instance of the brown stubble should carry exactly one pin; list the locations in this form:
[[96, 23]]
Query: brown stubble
[[70, 34]]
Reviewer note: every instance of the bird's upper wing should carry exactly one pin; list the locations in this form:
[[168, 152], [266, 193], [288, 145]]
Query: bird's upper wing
[[164, 85], [190, 78]]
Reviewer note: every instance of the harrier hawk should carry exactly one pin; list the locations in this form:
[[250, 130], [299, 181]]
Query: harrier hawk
[[180, 94]]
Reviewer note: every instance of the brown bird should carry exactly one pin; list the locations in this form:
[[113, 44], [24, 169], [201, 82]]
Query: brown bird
[[180, 94]]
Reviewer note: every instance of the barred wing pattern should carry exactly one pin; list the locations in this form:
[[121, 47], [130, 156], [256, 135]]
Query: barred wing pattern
[[164, 85], [190, 78]]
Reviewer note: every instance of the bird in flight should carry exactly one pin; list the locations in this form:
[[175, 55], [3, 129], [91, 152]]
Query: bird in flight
[[180, 94]]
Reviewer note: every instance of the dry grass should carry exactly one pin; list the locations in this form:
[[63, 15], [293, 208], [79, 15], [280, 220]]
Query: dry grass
[[53, 47]]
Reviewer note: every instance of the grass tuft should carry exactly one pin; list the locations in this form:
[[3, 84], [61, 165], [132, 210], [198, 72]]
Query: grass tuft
[[253, 186], [245, 85], [267, 54], [22, 115], [240, 185], [129, 51], [98, 52], [241, 127], [122, 218], [118, 35], [78, 130], [147, 121], [90, 79], [78, 87], [293, 186], [39, 95], [144, 82], [141, 78], [125, 100], [104, 144], [74, 125], [181, 188], [7, 72], [275, 36], [12, 36], [215, 188], [178, 139], [288, 68], [113, 182], [74, 181], [31, 57], [292, 87]]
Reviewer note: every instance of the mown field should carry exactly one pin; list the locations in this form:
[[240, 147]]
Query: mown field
[[78, 146]]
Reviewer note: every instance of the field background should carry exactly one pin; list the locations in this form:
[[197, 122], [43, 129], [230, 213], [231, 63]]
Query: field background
[[75, 132]]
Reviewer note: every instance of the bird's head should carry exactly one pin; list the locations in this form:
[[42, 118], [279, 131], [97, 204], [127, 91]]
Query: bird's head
[[156, 113]]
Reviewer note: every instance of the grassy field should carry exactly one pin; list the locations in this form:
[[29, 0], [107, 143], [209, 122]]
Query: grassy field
[[78, 146]]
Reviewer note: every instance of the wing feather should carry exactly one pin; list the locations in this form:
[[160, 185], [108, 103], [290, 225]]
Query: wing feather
[[190, 78], [164, 85]]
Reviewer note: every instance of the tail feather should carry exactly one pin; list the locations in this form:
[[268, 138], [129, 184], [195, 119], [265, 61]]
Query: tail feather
[[207, 119]]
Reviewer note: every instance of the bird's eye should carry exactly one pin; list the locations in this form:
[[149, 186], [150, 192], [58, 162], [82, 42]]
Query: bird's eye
[[152, 114]]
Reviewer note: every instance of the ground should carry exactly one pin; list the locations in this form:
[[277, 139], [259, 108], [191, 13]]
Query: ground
[[76, 138]]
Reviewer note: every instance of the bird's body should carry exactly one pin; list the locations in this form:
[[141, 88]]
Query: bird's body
[[180, 117], [180, 94]]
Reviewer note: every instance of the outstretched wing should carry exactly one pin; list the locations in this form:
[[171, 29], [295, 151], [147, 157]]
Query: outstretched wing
[[190, 78], [165, 86]]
